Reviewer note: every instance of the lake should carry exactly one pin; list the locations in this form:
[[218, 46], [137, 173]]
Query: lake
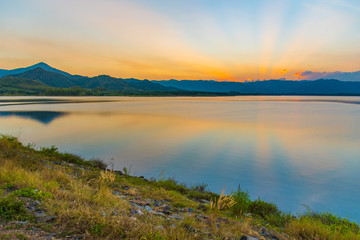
[[288, 150]]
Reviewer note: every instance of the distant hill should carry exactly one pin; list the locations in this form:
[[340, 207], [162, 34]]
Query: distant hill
[[52, 79], [59, 80], [14, 85], [4, 72], [270, 87], [44, 79]]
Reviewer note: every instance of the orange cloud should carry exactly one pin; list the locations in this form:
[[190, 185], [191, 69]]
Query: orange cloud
[[298, 75], [282, 72]]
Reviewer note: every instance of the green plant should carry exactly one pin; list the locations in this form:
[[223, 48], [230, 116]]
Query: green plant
[[12, 209], [49, 151], [97, 229], [21, 236], [32, 193], [97, 163], [199, 187], [242, 199], [178, 205], [127, 171], [262, 208], [172, 184]]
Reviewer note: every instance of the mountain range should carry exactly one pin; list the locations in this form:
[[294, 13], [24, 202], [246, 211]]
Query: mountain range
[[44, 79]]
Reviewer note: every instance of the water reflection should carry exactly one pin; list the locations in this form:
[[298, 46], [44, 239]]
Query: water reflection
[[287, 152], [44, 117]]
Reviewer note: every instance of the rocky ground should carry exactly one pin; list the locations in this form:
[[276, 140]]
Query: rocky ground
[[45, 194], [141, 208]]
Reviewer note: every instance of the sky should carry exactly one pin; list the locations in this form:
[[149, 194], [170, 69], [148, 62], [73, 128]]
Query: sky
[[232, 40]]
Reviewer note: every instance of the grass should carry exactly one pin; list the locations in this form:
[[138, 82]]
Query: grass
[[12, 209], [79, 194]]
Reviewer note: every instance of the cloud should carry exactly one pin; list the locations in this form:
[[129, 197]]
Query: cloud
[[283, 71], [299, 75], [343, 76]]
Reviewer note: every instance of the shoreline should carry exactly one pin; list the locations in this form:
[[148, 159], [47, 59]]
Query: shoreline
[[85, 200]]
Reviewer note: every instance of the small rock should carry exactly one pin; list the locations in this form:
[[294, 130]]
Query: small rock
[[80, 237], [167, 207], [204, 201], [157, 203], [37, 202], [173, 226], [114, 213], [176, 216], [190, 210], [161, 227], [135, 205], [201, 217], [47, 219], [147, 208], [140, 202], [102, 213], [243, 237], [136, 211], [158, 213], [51, 236], [218, 225], [40, 214], [166, 212]]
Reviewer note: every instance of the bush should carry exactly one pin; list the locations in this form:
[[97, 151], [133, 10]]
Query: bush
[[49, 151], [11, 209], [262, 208], [199, 187], [97, 163], [172, 184], [242, 200]]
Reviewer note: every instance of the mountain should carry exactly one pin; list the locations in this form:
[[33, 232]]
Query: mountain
[[14, 85], [43, 79], [4, 72], [49, 78], [270, 87], [59, 80]]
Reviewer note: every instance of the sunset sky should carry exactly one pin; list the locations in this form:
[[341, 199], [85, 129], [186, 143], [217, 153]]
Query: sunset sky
[[232, 40]]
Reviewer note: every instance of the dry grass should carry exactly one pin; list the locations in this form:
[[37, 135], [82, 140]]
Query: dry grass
[[83, 202], [223, 202]]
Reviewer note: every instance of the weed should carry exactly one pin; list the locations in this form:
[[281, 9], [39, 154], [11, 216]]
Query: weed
[[97, 229], [12, 209], [223, 202], [21, 236], [107, 176]]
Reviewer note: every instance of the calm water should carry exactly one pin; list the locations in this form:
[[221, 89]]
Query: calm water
[[288, 150]]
